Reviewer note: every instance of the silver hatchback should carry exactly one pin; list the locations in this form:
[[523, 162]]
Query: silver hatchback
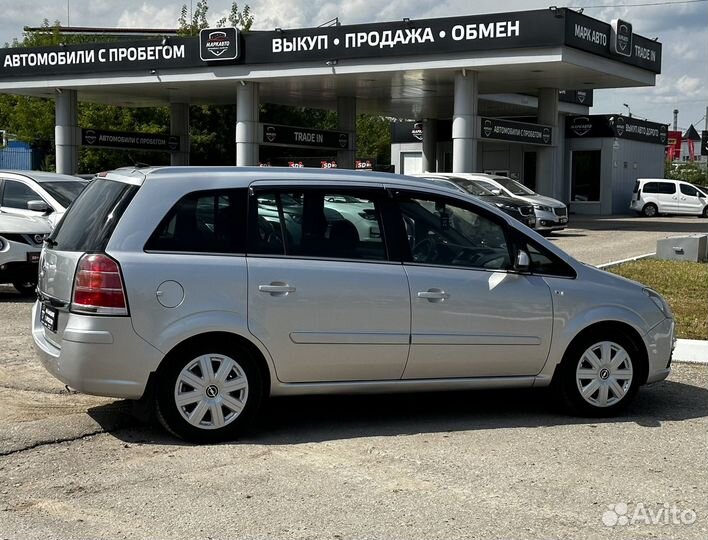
[[206, 290]]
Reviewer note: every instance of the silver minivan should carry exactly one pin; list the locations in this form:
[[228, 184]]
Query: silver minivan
[[178, 286]]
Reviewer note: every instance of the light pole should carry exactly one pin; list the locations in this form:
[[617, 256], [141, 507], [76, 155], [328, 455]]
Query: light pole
[[629, 111]]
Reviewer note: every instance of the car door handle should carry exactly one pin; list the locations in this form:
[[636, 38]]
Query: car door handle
[[277, 288], [434, 295]]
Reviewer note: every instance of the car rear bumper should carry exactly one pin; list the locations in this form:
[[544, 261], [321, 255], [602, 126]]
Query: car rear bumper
[[102, 356]]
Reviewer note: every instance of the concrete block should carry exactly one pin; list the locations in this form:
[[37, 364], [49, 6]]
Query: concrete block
[[692, 248]]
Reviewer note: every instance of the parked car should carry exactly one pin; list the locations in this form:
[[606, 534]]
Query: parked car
[[521, 211], [38, 194], [21, 241], [653, 196], [551, 214], [169, 285]]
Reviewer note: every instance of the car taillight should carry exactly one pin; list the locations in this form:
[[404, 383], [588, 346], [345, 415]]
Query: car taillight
[[98, 286]]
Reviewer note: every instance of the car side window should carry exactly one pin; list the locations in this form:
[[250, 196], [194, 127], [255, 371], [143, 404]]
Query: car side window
[[689, 190], [651, 187], [667, 188], [543, 261], [203, 222], [442, 232], [17, 195], [317, 223]]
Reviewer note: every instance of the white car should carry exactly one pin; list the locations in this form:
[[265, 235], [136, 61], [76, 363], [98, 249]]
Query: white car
[[551, 214], [653, 196], [21, 241], [38, 194]]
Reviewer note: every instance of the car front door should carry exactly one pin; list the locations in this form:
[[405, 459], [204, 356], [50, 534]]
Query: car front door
[[325, 300], [689, 200], [471, 316]]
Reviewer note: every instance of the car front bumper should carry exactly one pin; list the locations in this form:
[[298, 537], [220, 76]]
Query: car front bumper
[[549, 221], [660, 342]]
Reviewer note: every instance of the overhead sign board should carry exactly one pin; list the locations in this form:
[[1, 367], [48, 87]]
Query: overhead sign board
[[521, 132], [218, 44], [621, 127], [300, 136], [441, 36], [129, 140]]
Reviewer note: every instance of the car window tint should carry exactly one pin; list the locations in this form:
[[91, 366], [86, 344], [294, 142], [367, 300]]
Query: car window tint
[[667, 188], [64, 192], [651, 187], [689, 190], [203, 222], [315, 223], [17, 195], [441, 232]]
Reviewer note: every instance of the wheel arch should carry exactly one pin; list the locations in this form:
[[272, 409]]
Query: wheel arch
[[229, 339], [605, 329]]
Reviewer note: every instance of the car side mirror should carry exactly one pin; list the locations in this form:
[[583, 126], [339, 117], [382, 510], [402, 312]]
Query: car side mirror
[[522, 262], [38, 206]]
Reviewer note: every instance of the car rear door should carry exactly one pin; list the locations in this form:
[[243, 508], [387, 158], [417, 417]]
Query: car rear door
[[667, 197], [327, 302], [470, 315]]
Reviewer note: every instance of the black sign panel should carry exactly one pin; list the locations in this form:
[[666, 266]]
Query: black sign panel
[[311, 138], [581, 97], [218, 44], [605, 125], [621, 37], [591, 35], [129, 140], [704, 143], [507, 130], [497, 31], [406, 132]]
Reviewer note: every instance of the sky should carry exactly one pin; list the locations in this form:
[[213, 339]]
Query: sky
[[681, 27]]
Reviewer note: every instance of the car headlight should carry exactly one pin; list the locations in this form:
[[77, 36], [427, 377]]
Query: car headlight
[[2, 243], [659, 302], [543, 208]]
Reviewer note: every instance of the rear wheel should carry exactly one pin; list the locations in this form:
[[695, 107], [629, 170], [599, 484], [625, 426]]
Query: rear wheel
[[599, 375], [650, 210], [208, 392], [25, 288]]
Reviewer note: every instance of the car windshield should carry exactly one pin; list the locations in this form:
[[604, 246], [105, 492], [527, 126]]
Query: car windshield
[[513, 186], [472, 187], [64, 192]]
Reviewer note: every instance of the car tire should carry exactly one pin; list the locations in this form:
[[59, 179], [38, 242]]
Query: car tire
[[208, 392], [25, 288], [705, 212], [650, 210], [600, 375]]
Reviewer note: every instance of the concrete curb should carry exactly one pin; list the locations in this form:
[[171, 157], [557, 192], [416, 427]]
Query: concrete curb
[[621, 261], [694, 351]]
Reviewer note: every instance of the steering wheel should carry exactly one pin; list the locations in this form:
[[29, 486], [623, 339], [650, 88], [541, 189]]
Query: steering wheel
[[426, 250]]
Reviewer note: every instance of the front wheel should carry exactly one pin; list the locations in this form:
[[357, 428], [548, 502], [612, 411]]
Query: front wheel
[[207, 393], [25, 288], [599, 375], [705, 212]]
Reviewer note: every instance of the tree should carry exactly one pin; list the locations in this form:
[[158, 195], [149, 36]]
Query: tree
[[242, 19], [688, 172]]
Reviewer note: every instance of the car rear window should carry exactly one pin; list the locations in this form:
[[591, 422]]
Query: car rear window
[[651, 187], [91, 219]]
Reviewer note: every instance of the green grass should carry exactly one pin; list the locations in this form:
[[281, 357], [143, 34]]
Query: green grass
[[683, 284]]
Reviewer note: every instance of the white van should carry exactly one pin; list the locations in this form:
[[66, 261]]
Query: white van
[[653, 196]]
